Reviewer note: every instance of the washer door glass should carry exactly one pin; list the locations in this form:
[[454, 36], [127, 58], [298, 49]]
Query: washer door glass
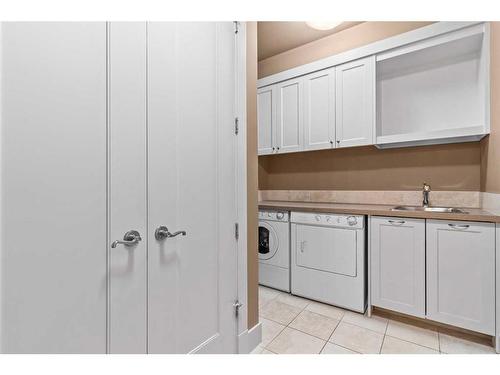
[[268, 241]]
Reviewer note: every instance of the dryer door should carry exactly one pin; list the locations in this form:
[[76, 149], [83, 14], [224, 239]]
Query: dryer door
[[268, 241]]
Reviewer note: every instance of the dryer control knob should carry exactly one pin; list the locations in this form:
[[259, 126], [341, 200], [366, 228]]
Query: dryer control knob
[[318, 218], [280, 215], [328, 218], [351, 220]]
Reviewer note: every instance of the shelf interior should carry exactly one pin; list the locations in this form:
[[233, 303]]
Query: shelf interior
[[434, 89]]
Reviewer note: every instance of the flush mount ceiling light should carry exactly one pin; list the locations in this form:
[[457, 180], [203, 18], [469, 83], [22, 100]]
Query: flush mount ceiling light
[[323, 25]]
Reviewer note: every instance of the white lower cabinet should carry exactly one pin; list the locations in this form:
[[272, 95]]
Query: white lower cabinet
[[461, 274], [398, 264], [435, 269]]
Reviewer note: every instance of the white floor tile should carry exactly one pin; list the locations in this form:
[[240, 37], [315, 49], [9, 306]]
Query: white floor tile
[[279, 312], [265, 351], [393, 345], [314, 324], [257, 350], [417, 335], [291, 341], [454, 345], [357, 338], [267, 294], [293, 300], [270, 330], [326, 310], [375, 323], [335, 349]]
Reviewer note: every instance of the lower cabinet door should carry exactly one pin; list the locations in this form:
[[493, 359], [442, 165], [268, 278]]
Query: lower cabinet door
[[398, 264], [461, 274]]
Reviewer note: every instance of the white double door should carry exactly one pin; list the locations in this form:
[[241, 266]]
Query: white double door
[[108, 128]]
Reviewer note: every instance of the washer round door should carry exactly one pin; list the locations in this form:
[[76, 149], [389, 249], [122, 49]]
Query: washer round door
[[268, 241]]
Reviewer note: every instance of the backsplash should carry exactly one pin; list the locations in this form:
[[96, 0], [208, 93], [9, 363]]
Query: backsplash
[[470, 199]]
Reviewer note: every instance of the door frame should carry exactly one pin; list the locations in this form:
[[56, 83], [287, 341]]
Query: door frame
[[241, 186]]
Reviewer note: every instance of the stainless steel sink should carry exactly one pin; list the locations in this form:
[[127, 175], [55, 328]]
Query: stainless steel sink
[[430, 209]]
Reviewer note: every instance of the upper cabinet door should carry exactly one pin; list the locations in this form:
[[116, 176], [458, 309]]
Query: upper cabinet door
[[319, 110], [355, 99], [266, 119], [461, 274], [289, 132]]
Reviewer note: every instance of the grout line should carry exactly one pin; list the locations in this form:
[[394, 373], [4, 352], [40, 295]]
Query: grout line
[[383, 339], [412, 342]]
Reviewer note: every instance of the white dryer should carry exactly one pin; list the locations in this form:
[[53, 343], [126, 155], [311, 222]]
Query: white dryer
[[274, 249]]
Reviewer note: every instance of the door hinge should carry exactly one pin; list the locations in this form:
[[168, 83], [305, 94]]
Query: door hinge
[[236, 231], [236, 125], [236, 26], [237, 306]]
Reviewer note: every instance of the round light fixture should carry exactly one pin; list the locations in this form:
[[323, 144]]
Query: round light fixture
[[323, 25]]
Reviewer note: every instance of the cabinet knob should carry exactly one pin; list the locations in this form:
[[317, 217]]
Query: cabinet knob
[[338, 141], [331, 142]]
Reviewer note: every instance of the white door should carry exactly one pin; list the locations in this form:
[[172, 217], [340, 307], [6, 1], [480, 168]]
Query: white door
[[289, 130], [192, 187], [127, 186], [53, 187], [461, 274], [355, 102], [319, 110], [266, 119], [398, 264]]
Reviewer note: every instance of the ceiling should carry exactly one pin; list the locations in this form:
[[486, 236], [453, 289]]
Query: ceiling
[[276, 37]]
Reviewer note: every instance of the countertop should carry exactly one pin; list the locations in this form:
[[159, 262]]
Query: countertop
[[474, 214]]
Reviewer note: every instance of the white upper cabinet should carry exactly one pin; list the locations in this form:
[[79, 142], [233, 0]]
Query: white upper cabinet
[[266, 119], [426, 86], [319, 110], [355, 99], [461, 274], [435, 90], [289, 130]]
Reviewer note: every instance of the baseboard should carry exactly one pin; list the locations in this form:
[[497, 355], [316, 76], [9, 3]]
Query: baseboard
[[250, 339]]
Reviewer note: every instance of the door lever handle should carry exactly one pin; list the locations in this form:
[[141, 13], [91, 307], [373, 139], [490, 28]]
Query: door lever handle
[[130, 238], [162, 232]]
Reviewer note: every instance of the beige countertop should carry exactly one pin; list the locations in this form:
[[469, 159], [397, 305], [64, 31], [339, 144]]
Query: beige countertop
[[474, 214]]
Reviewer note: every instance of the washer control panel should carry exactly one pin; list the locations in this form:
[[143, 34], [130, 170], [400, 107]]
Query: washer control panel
[[274, 215], [333, 220]]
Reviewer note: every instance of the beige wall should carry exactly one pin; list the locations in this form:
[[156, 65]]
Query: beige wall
[[359, 35], [252, 260], [444, 167], [490, 146]]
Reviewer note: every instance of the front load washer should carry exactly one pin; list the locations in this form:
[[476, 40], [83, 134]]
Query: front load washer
[[274, 249]]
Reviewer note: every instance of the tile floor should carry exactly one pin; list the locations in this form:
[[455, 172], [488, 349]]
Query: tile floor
[[294, 325]]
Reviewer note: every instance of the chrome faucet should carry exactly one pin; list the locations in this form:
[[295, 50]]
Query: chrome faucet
[[425, 192]]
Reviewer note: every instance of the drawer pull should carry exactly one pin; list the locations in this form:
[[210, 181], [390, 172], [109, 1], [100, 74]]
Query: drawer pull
[[459, 226], [398, 222]]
